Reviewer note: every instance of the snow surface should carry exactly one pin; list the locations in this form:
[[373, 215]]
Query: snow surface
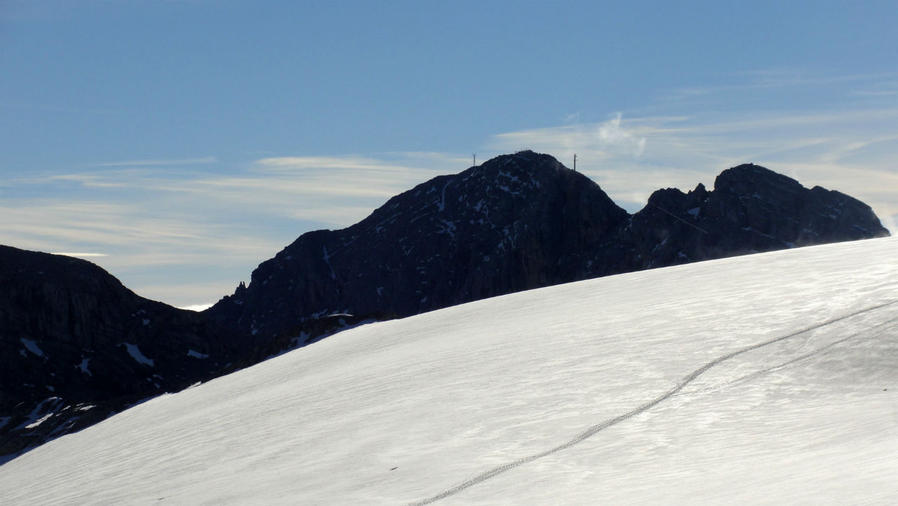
[[83, 367], [201, 307], [39, 421], [196, 354], [31, 345], [768, 378], [135, 353]]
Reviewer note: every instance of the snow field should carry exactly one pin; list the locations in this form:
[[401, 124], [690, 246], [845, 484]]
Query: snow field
[[410, 410]]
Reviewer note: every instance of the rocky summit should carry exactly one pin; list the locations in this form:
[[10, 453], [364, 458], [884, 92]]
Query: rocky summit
[[77, 346], [751, 209], [515, 222]]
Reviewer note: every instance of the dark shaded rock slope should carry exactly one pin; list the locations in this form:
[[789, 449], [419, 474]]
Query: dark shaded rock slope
[[751, 209], [76, 346], [516, 222], [523, 221]]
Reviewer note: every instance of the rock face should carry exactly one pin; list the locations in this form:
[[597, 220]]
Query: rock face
[[523, 221], [751, 209], [516, 222], [76, 345]]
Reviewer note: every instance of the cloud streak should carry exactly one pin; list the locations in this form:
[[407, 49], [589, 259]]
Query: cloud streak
[[605, 140], [850, 150], [737, 86], [158, 162], [80, 255]]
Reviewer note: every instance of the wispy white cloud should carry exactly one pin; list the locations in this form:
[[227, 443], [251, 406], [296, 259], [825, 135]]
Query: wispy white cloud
[[223, 222], [157, 162], [886, 88], [334, 191], [849, 149], [875, 93], [603, 141], [776, 80], [139, 241], [784, 77], [573, 117], [348, 176], [83, 179], [323, 162], [80, 254]]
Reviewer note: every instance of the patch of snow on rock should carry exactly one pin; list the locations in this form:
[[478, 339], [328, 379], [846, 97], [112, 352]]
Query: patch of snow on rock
[[38, 421], [196, 354], [32, 346], [135, 353]]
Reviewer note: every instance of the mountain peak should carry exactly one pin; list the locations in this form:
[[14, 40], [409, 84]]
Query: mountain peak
[[748, 177], [537, 168], [527, 158], [514, 222]]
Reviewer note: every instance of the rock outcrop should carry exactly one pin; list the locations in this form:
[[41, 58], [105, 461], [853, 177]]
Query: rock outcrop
[[76, 346]]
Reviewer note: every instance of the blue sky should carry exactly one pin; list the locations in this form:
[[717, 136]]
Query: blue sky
[[180, 143]]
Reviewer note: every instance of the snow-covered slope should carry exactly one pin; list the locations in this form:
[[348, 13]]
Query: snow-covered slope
[[770, 378]]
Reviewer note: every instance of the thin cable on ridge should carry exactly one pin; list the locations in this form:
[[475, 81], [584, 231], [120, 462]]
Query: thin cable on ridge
[[674, 216]]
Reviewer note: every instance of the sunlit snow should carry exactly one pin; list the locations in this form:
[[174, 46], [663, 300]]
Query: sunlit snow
[[197, 307], [39, 421], [761, 379]]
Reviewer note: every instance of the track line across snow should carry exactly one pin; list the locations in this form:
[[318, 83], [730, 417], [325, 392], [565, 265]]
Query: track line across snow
[[591, 431], [818, 351]]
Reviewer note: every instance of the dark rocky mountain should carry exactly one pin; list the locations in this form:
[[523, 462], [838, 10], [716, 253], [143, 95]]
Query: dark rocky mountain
[[513, 223], [77, 346], [751, 209], [524, 221]]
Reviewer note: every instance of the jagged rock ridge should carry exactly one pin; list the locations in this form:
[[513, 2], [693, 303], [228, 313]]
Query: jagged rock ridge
[[523, 221]]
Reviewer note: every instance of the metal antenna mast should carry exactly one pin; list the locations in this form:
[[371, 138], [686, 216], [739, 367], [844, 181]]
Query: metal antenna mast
[[575, 162], [475, 159]]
